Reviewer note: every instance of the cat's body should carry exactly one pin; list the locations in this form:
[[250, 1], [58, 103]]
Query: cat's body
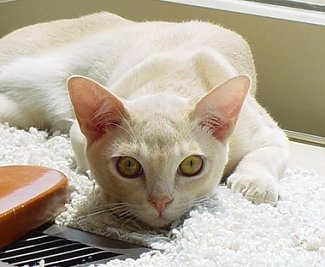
[[158, 141]]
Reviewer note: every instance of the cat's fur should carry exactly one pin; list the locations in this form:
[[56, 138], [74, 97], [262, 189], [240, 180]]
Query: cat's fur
[[155, 91]]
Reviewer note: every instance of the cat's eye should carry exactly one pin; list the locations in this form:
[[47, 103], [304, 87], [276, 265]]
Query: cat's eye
[[128, 167], [191, 166]]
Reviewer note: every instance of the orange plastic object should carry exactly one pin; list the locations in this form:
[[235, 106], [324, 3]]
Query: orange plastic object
[[29, 197]]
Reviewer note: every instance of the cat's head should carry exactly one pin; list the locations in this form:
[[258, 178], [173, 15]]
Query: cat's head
[[157, 155]]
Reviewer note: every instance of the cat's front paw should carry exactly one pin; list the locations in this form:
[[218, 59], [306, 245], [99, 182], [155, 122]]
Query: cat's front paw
[[257, 190]]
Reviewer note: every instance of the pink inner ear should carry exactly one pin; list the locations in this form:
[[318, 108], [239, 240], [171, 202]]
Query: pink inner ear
[[219, 127], [96, 109], [218, 110]]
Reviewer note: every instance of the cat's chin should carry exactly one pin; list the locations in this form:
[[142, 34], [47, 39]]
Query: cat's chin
[[158, 223]]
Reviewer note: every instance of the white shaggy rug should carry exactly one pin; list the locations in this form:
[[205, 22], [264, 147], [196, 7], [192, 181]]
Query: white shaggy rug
[[226, 231]]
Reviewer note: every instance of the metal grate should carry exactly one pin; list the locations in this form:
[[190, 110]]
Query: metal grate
[[52, 251]]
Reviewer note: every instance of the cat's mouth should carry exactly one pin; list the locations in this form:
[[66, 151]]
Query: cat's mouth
[[159, 220], [150, 221]]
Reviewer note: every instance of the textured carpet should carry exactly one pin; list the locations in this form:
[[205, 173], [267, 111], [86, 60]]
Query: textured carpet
[[225, 231]]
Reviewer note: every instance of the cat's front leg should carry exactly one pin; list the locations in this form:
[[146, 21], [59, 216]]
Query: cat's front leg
[[256, 176], [262, 148]]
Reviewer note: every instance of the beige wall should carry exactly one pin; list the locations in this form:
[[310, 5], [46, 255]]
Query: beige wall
[[290, 56]]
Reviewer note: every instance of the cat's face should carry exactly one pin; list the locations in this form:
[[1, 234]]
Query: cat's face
[[158, 165], [156, 160]]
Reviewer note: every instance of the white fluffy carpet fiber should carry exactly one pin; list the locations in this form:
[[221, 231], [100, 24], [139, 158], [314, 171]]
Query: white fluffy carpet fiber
[[226, 231]]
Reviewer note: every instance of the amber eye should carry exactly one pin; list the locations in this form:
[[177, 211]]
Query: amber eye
[[191, 166], [128, 167]]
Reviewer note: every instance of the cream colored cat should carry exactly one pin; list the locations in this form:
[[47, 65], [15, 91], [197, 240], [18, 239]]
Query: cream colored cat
[[165, 109]]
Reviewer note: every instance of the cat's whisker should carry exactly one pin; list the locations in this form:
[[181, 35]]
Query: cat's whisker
[[131, 219], [111, 206], [124, 213], [128, 217], [124, 210], [116, 209], [129, 132], [116, 204], [200, 200], [192, 130], [121, 211], [90, 215], [205, 197]]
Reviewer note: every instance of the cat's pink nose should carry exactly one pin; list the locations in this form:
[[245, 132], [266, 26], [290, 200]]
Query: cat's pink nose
[[160, 202]]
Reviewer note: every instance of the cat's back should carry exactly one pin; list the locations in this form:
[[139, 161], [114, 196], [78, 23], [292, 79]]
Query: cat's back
[[235, 49], [117, 44], [144, 40], [41, 38]]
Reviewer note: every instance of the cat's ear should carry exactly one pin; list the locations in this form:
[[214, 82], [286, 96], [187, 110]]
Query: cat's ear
[[97, 110], [218, 110]]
